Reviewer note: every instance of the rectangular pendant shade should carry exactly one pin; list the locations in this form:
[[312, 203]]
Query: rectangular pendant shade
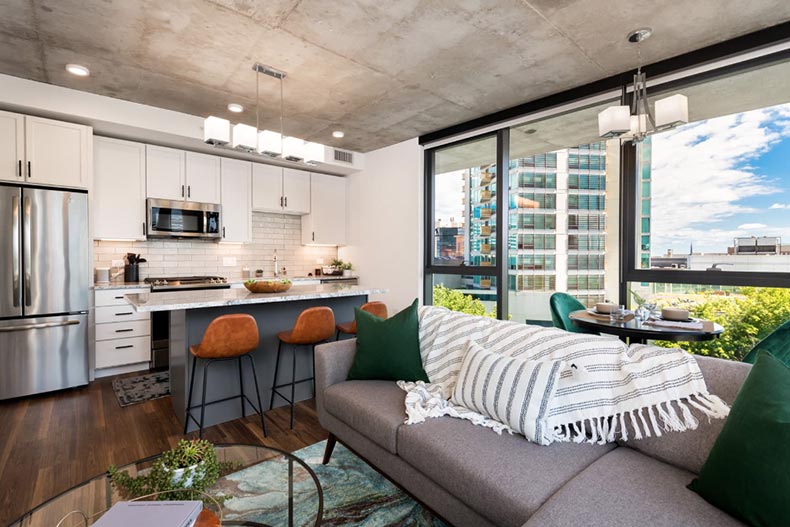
[[216, 131], [314, 152], [672, 111], [245, 137], [270, 143], [614, 121], [293, 148]]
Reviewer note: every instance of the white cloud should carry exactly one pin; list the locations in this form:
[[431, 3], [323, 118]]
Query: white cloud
[[702, 174], [748, 226], [780, 206]]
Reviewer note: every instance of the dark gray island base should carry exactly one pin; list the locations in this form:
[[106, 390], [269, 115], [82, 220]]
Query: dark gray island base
[[192, 311]]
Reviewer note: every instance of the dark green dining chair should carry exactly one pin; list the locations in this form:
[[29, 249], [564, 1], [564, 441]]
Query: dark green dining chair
[[562, 305], [777, 344]]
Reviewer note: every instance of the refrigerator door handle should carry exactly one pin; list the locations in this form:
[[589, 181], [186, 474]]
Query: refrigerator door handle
[[27, 257], [45, 325], [15, 247]]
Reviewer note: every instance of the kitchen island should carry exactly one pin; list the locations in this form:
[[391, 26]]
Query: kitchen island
[[192, 311]]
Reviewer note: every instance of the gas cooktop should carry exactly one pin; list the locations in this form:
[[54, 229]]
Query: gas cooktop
[[186, 283]]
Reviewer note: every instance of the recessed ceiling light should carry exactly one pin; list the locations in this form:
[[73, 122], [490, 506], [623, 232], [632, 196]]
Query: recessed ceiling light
[[78, 70], [338, 134], [235, 108]]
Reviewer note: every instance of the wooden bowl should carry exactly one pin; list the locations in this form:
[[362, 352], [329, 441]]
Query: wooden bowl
[[267, 286], [674, 313]]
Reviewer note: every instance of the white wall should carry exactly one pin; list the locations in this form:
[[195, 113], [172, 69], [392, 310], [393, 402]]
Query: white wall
[[385, 223]]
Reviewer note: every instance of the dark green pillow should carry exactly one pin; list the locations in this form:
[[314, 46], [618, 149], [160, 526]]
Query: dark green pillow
[[747, 473], [388, 349], [777, 344]]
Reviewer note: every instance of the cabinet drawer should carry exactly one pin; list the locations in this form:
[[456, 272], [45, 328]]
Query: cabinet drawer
[[123, 313], [114, 297], [123, 330], [118, 352]]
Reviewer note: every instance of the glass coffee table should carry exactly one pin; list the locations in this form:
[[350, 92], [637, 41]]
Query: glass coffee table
[[270, 488]]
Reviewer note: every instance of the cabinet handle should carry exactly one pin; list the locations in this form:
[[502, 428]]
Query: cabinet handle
[[189, 191], [124, 330], [124, 347], [286, 201], [223, 232], [118, 298], [123, 314], [313, 235], [20, 169], [29, 170], [145, 229], [281, 201], [182, 191]]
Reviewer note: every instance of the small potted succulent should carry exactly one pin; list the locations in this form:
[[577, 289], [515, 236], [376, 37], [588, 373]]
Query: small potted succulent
[[192, 466], [347, 268]]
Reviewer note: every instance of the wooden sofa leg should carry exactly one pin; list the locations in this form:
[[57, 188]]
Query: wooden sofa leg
[[330, 447]]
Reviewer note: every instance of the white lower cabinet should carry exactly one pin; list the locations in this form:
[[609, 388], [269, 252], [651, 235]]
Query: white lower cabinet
[[123, 336]]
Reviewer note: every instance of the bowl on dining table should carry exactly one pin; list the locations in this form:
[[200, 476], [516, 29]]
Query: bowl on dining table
[[674, 313], [606, 308]]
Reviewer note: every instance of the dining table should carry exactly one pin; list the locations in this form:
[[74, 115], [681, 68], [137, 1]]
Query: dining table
[[636, 331]]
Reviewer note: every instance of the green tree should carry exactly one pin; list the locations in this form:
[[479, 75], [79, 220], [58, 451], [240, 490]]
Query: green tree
[[457, 301], [746, 319]]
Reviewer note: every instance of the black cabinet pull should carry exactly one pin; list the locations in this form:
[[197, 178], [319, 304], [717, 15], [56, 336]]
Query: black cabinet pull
[[118, 298], [189, 191], [281, 201], [29, 170], [286, 201], [313, 235], [182, 191], [223, 232], [124, 330], [20, 168], [122, 314], [124, 347]]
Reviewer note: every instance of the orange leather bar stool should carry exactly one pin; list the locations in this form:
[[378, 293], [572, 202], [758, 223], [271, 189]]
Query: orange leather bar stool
[[313, 326], [227, 337], [350, 328]]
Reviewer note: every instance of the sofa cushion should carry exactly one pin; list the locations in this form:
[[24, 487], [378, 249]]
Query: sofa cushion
[[375, 408], [504, 478], [689, 450], [625, 488]]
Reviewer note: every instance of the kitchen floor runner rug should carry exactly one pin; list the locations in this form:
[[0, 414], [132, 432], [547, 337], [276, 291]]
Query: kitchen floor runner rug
[[355, 494], [141, 388]]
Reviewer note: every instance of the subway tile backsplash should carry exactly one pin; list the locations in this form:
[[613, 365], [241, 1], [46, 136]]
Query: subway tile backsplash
[[184, 258]]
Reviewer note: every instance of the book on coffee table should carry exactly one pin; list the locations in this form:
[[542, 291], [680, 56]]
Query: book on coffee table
[[150, 513]]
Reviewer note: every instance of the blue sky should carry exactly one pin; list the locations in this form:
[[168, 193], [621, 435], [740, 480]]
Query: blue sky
[[721, 178]]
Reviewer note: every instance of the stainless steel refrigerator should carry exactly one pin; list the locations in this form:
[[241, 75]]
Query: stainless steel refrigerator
[[44, 287]]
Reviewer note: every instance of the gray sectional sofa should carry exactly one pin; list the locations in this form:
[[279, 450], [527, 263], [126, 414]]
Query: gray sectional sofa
[[473, 477]]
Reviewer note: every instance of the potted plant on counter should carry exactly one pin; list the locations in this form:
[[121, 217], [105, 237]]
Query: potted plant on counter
[[347, 268], [192, 465]]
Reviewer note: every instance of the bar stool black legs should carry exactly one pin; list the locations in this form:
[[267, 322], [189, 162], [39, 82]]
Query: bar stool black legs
[[242, 396], [277, 387]]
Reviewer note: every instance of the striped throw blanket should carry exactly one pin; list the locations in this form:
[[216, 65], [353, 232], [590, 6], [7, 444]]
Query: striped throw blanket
[[605, 391]]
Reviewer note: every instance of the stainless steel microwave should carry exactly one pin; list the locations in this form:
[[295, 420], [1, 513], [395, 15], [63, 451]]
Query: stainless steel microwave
[[183, 219]]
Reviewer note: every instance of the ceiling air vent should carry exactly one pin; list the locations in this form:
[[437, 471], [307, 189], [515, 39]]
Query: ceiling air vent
[[345, 157]]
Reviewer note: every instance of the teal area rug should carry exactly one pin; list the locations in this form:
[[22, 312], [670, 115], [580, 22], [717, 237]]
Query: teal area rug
[[354, 493]]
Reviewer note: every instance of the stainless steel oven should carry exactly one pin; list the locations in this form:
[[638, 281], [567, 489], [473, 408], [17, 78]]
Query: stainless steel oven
[[184, 219]]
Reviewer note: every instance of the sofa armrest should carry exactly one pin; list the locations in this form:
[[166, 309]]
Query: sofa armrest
[[332, 363]]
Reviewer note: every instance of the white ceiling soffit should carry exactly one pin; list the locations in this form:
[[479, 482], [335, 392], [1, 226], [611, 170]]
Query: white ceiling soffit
[[382, 72]]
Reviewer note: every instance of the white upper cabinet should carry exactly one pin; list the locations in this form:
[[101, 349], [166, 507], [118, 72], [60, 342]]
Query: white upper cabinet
[[236, 190], [12, 147], [202, 178], [165, 173], [57, 153], [267, 188], [118, 189], [296, 191], [326, 223]]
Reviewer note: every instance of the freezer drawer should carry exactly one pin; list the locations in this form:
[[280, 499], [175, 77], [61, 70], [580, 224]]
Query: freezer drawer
[[43, 354]]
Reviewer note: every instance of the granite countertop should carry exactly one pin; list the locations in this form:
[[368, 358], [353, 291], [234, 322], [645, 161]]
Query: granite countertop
[[291, 278], [120, 285], [148, 302]]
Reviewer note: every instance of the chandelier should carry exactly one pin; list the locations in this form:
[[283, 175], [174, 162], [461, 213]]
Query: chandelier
[[637, 121], [268, 143]]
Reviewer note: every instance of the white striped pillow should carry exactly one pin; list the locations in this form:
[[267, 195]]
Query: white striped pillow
[[513, 391]]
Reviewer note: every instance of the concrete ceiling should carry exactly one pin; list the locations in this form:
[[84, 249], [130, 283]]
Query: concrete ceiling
[[381, 71]]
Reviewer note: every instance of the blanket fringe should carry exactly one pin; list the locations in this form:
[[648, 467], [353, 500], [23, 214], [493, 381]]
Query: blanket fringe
[[673, 416]]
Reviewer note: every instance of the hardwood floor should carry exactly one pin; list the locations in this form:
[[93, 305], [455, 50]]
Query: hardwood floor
[[50, 443]]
